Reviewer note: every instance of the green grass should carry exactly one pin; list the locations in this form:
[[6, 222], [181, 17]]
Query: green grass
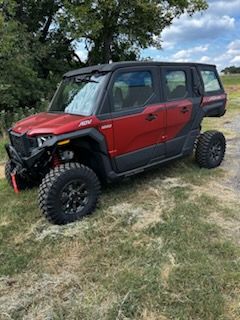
[[233, 79], [3, 155], [152, 250], [178, 266]]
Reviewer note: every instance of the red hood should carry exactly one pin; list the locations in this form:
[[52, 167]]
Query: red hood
[[52, 123]]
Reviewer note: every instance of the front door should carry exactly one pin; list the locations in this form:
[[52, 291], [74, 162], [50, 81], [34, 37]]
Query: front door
[[138, 117]]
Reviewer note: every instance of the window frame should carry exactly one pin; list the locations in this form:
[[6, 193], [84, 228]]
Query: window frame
[[187, 71], [154, 98], [98, 100], [212, 69]]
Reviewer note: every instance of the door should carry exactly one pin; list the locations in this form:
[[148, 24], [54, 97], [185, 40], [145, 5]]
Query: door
[[138, 117], [179, 107]]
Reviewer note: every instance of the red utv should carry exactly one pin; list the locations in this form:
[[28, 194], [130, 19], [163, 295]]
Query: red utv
[[111, 121]]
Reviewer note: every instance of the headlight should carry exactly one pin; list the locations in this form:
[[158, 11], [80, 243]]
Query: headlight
[[41, 140]]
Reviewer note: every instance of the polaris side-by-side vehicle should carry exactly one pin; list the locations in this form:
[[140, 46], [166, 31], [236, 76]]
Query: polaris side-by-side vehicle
[[111, 121]]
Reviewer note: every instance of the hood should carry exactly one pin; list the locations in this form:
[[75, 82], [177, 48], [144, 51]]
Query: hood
[[52, 123]]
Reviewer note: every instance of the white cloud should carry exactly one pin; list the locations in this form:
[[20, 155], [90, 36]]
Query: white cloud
[[221, 7], [230, 56], [206, 59], [207, 26], [186, 39], [184, 54], [236, 60], [167, 45], [234, 45]]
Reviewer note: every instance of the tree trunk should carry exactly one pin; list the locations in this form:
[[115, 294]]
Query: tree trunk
[[107, 54], [46, 27]]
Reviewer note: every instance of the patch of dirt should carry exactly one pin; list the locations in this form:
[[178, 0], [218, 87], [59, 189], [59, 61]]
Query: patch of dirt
[[149, 203], [42, 229], [5, 222], [233, 88], [226, 189], [39, 295], [232, 307], [232, 160], [230, 226], [218, 189], [2, 174], [167, 269], [148, 315], [31, 296]]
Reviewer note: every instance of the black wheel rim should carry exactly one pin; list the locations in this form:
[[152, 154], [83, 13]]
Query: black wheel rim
[[74, 197], [215, 151]]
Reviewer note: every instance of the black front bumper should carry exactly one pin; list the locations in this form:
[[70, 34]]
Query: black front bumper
[[24, 164]]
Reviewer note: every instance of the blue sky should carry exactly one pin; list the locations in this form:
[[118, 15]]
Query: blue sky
[[212, 36]]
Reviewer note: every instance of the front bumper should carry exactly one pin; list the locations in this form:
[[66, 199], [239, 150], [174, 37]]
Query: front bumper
[[25, 164]]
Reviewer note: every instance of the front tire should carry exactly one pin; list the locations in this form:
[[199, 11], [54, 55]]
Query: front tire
[[68, 193], [210, 150]]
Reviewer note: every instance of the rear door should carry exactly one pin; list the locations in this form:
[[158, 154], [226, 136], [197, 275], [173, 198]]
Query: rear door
[[181, 108], [215, 98], [138, 117]]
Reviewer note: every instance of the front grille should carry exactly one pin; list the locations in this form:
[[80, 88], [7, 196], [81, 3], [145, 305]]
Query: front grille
[[22, 143]]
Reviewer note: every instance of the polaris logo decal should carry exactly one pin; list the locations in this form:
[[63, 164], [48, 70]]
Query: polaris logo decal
[[106, 126], [85, 123], [214, 98]]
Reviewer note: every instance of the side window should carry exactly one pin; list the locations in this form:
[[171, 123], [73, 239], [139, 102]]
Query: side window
[[131, 90], [176, 84], [210, 81]]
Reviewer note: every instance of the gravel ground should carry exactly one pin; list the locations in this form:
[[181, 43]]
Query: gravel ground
[[232, 159]]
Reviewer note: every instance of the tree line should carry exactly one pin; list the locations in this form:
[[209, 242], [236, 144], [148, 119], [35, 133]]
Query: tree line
[[38, 41], [231, 70]]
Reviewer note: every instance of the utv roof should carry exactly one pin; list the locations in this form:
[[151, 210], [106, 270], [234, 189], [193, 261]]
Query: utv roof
[[117, 65]]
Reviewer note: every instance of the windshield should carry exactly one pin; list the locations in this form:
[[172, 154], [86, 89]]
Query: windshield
[[78, 95]]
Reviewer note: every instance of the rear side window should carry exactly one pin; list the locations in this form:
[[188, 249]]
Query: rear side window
[[132, 90], [210, 80], [176, 84]]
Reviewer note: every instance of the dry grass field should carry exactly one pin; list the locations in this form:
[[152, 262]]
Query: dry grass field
[[162, 245]]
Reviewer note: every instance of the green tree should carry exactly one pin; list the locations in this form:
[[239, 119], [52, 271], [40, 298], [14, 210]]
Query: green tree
[[231, 70], [118, 29], [34, 52]]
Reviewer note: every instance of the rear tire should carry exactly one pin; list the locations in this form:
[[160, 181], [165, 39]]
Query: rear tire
[[68, 193], [22, 183], [210, 149]]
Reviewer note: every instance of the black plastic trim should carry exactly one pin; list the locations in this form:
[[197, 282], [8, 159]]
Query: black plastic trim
[[216, 109], [90, 132], [134, 159], [114, 66]]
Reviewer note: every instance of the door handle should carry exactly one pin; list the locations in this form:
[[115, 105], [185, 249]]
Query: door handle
[[151, 117], [184, 109]]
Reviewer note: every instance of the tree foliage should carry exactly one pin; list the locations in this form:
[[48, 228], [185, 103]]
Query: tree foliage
[[33, 52], [231, 70], [118, 29], [38, 39]]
